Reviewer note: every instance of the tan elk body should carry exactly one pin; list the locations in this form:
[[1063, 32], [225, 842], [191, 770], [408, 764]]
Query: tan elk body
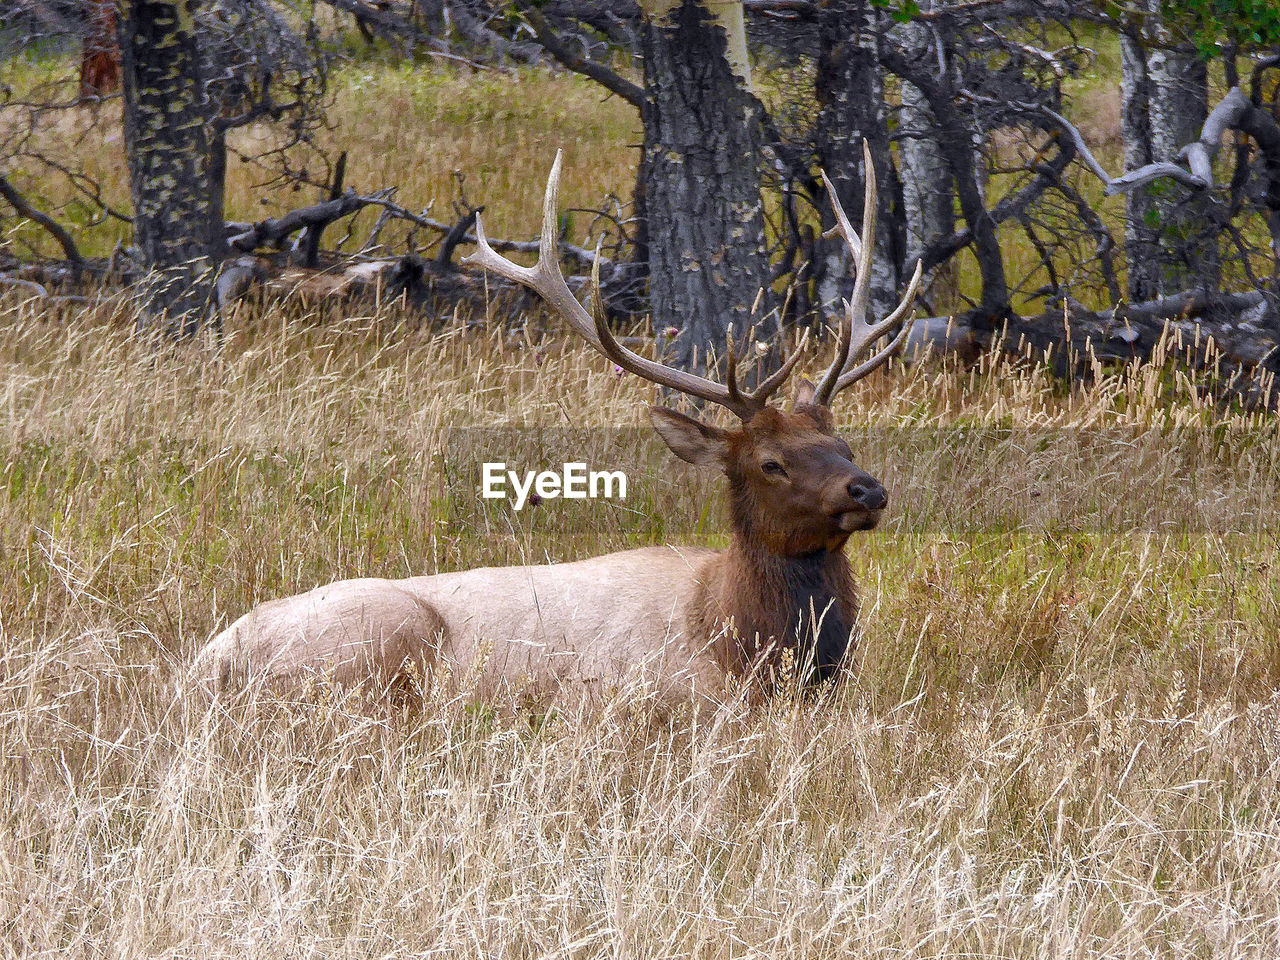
[[685, 621]]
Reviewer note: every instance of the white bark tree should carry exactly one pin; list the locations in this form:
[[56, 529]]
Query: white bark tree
[[1170, 243], [927, 195]]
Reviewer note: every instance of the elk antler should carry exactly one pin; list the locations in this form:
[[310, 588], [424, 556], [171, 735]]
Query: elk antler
[[856, 334], [546, 280]]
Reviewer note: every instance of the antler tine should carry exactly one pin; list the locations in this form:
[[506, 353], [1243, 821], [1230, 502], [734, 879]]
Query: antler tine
[[856, 334], [546, 280], [665, 376], [842, 228], [825, 387], [863, 250], [731, 368], [759, 397], [770, 386], [850, 377]]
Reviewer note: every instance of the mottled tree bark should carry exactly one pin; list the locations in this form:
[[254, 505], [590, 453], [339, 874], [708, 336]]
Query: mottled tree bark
[[1140, 233], [927, 204], [928, 208], [956, 146], [173, 164], [707, 258], [1179, 87], [850, 91], [1171, 238]]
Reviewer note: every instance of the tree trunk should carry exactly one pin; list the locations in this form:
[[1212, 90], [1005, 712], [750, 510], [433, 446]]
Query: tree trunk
[[217, 189], [928, 203], [1171, 236], [707, 259], [1179, 86], [850, 92], [1140, 234], [956, 146], [431, 14], [172, 164]]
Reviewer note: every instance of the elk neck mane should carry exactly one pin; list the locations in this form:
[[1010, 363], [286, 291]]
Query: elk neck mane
[[805, 602]]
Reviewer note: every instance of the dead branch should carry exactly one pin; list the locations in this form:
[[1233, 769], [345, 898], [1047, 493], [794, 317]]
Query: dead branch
[[307, 251], [35, 288], [581, 254], [1197, 155], [555, 45], [391, 26], [471, 27], [316, 216], [55, 229], [451, 239], [1244, 327]]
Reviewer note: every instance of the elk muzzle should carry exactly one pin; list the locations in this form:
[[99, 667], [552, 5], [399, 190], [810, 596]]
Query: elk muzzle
[[859, 503]]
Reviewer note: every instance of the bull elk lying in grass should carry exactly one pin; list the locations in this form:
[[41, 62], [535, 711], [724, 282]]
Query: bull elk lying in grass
[[686, 619]]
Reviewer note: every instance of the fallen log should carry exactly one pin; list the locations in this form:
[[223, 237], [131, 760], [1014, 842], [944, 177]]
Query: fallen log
[[276, 230], [1243, 327]]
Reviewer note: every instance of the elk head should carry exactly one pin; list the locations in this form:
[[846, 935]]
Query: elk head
[[794, 485]]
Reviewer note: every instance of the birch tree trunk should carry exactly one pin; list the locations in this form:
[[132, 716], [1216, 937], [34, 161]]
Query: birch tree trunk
[[172, 164], [1179, 85], [927, 204], [850, 91], [1141, 237], [1170, 240], [707, 258]]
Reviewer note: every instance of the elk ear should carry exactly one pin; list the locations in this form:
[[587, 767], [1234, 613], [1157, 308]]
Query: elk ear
[[805, 391], [689, 439]]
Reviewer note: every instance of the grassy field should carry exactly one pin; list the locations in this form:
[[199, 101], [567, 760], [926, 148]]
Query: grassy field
[[1059, 737]]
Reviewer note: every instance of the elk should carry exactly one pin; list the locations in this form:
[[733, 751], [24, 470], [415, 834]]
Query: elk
[[685, 620]]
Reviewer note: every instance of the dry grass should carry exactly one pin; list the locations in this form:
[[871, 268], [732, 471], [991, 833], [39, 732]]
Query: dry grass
[[1060, 740]]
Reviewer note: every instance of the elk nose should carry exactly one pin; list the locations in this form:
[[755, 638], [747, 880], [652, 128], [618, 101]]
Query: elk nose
[[868, 494]]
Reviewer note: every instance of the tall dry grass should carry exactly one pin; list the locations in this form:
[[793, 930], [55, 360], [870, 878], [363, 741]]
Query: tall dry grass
[[1059, 737]]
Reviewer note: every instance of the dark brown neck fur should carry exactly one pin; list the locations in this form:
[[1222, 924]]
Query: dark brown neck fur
[[802, 602]]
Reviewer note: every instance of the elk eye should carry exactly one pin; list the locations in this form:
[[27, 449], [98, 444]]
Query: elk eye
[[774, 468]]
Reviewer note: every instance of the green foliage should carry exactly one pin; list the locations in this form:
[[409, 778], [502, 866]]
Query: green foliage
[[901, 10], [1211, 22]]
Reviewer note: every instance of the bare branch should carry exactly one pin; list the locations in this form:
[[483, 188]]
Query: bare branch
[[55, 229], [1198, 155], [35, 288], [313, 217], [455, 236], [391, 26], [567, 57]]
